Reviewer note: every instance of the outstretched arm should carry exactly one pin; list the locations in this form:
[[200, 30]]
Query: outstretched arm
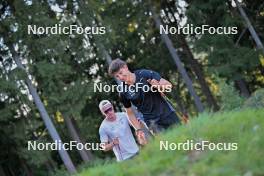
[[132, 118], [137, 126]]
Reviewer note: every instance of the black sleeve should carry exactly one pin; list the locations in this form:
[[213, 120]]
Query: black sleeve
[[150, 74], [124, 101]]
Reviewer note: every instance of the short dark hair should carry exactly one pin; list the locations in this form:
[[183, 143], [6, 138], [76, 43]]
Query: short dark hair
[[115, 66]]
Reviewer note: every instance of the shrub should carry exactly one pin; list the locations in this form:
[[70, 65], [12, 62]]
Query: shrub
[[256, 100], [230, 98]]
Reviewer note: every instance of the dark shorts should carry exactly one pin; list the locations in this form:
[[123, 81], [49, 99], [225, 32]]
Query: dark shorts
[[162, 123]]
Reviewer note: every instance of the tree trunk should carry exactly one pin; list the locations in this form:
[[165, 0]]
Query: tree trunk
[[89, 153], [240, 36], [178, 63], [2, 172], [44, 115], [250, 27], [241, 84], [75, 136], [196, 67], [199, 73]]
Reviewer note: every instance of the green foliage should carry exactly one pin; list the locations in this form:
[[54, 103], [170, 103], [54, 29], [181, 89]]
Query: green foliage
[[230, 98], [243, 128], [61, 172], [64, 67], [231, 58], [212, 12], [232, 65], [256, 100]]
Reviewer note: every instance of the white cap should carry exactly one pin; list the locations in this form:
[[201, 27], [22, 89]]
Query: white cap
[[104, 103]]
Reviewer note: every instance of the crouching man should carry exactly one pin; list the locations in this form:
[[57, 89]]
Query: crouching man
[[115, 132]]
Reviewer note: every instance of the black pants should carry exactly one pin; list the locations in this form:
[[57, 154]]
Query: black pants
[[162, 123]]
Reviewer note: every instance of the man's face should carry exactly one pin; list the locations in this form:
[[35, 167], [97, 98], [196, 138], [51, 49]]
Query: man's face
[[108, 112], [122, 74]]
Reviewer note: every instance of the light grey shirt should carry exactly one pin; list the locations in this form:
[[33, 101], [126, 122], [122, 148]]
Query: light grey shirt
[[119, 128]]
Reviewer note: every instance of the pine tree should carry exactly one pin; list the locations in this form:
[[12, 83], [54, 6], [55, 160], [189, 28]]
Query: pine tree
[[15, 12]]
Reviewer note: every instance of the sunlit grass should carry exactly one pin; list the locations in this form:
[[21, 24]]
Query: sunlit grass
[[243, 127]]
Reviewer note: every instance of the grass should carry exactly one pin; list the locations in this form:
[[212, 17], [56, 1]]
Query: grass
[[242, 127]]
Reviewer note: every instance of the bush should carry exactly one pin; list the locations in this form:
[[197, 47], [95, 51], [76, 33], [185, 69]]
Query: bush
[[230, 98], [61, 172], [256, 100]]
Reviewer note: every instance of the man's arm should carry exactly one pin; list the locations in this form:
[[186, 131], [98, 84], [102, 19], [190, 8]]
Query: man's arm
[[130, 113], [109, 146], [162, 85], [105, 144], [156, 81], [132, 118], [164, 82], [137, 126]]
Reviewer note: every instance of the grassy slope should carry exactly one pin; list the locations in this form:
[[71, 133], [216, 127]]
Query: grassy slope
[[244, 127]]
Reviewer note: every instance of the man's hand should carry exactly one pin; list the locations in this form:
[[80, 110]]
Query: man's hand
[[156, 84], [115, 141], [141, 137], [109, 145], [153, 82]]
